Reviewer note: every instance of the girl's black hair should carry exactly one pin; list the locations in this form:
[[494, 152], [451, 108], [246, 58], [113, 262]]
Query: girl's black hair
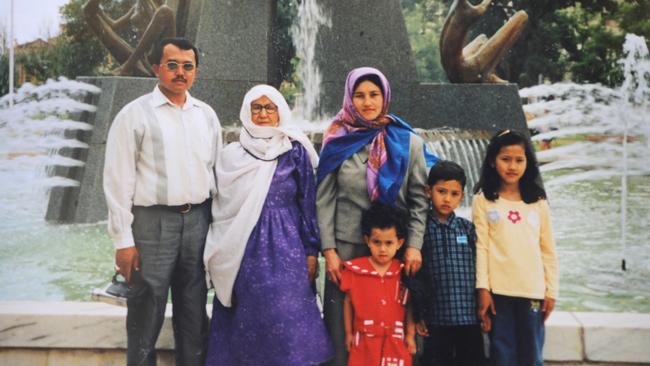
[[530, 184], [380, 216], [371, 78]]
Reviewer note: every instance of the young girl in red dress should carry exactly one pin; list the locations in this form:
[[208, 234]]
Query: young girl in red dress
[[379, 328]]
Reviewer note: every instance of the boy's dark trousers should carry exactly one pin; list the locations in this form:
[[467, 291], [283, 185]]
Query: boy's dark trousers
[[460, 345]]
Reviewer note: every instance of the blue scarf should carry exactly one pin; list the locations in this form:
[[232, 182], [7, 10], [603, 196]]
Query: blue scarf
[[391, 174]]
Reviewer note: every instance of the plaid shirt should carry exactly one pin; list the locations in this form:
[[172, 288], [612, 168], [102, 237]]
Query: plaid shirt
[[444, 290]]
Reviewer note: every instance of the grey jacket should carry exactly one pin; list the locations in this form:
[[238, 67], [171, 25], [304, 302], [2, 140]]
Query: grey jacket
[[343, 196]]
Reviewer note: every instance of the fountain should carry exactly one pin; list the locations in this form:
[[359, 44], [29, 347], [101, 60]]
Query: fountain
[[45, 262], [601, 164], [83, 263]]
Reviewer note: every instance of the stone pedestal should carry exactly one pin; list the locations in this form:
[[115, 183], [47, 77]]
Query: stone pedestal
[[364, 33], [234, 39], [486, 107]]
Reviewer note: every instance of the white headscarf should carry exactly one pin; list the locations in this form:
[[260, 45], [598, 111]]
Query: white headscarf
[[244, 171]]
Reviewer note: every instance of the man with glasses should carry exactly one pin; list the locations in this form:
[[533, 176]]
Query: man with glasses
[[158, 178]]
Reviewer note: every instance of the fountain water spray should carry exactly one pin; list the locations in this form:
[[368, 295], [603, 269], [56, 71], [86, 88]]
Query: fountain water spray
[[613, 123], [636, 69], [33, 129], [304, 33]]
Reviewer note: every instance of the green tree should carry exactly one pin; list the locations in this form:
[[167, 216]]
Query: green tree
[[78, 52], [424, 20], [634, 17], [4, 71], [577, 39]]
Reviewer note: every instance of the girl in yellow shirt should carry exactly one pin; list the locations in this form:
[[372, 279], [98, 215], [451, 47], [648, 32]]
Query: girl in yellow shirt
[[516, 263]]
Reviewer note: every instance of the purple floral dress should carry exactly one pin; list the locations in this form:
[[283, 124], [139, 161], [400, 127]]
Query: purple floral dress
[[274, 319]]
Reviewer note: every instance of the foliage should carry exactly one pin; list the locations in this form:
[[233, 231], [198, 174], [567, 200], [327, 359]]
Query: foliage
[[577, 39], [563, 38], [4, 70], [424, 20], [282, 43], [76, 51]]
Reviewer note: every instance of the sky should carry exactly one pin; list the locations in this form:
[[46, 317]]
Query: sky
[[32, 18]]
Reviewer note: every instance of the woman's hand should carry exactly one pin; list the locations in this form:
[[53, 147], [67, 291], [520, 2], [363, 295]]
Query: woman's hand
[[312, 268], [332, 265], [549, 305], [421, 328], [484, 303], [412, 261]]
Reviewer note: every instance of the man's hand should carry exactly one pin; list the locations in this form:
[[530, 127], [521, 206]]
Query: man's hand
[[332, 265], [549, 305], [484, 303], [127, 259], [312, 268], [412, 261]]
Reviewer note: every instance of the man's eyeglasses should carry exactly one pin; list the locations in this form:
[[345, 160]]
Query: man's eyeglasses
[[173, 65], [270, 108]]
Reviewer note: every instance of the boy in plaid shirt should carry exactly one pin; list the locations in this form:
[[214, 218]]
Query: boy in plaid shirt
[[444, 290]]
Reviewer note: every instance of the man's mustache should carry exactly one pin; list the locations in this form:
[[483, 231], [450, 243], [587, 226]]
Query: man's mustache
[[179, 79]]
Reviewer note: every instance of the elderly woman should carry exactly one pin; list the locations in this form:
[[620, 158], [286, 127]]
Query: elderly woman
[[368, 155], [262, 245]]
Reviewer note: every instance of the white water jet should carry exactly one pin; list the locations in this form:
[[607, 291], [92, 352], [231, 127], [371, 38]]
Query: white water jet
[[614, 124], [304, 33], [610, 126], [33, 130]]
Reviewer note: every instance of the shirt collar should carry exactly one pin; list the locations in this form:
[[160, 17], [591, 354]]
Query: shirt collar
[[451, 220], [160, 99], [363, 266]]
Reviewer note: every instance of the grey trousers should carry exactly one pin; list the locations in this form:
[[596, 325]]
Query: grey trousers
[[170, 245], [333, 304]]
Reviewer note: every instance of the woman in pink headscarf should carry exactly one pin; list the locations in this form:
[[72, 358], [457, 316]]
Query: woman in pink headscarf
[[368, 155]]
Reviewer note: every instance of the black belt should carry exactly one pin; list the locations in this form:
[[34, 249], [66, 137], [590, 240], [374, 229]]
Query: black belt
[[184, 208]]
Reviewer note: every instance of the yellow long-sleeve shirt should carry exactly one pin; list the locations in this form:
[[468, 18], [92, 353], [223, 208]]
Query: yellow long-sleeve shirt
[[515, 250]]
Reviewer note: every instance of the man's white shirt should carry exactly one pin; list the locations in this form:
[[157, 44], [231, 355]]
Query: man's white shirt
[[158, 153]]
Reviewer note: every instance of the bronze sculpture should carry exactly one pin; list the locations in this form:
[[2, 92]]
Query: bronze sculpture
[[152, 20], [475, 62]]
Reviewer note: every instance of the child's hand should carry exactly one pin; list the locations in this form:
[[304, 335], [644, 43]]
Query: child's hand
[[412, 261], [549, 305], [486, 325], [349, 341], [411, 345], [421, 328], [484, 303]]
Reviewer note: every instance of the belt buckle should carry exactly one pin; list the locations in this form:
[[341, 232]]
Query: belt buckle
[[185, 208]]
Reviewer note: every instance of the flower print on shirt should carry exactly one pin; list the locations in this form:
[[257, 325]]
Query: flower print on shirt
[[493, 216], [514, 216], [533, 219]]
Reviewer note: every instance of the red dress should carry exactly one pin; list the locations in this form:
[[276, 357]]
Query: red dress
[[379, 314]]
